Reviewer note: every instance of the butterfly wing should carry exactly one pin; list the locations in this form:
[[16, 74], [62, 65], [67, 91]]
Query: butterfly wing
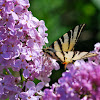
[[68, 40], [71, 56], [83, 55]]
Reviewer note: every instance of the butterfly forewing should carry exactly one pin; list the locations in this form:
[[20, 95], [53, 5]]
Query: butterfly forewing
[[68, 40]]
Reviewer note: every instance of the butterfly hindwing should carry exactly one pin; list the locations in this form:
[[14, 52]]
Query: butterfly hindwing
[[70, 56], [77, 55]]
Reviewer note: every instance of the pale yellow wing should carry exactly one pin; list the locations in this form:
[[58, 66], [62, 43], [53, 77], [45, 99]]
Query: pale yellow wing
[[68, 40], [71, 56], [83, 55]]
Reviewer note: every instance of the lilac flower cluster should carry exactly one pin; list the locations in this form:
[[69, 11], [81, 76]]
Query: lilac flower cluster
[[80, 82], [22, 37]]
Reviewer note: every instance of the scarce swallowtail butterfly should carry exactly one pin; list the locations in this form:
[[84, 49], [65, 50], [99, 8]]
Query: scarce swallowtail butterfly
[[63, 49]]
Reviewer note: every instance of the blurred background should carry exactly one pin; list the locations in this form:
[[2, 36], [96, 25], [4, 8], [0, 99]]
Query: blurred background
[[62, 15]]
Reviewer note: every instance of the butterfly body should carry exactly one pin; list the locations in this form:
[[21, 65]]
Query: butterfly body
[[63, 49]]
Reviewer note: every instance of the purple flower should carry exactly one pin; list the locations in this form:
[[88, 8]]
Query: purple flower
[[8, 86], [60, 92], [22, 37], [85, 80], [97, 47], [30, 94], [49, 95], [2, 34], [22, 34], [24, 3]]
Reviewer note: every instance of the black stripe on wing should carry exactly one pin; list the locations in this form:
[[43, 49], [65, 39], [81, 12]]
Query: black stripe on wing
[[69, 37], [62, 37], [79, 31], [59, 43], [75, 33], [52, 53]]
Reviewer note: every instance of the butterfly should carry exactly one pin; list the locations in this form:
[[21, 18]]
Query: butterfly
[[63, 49]]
